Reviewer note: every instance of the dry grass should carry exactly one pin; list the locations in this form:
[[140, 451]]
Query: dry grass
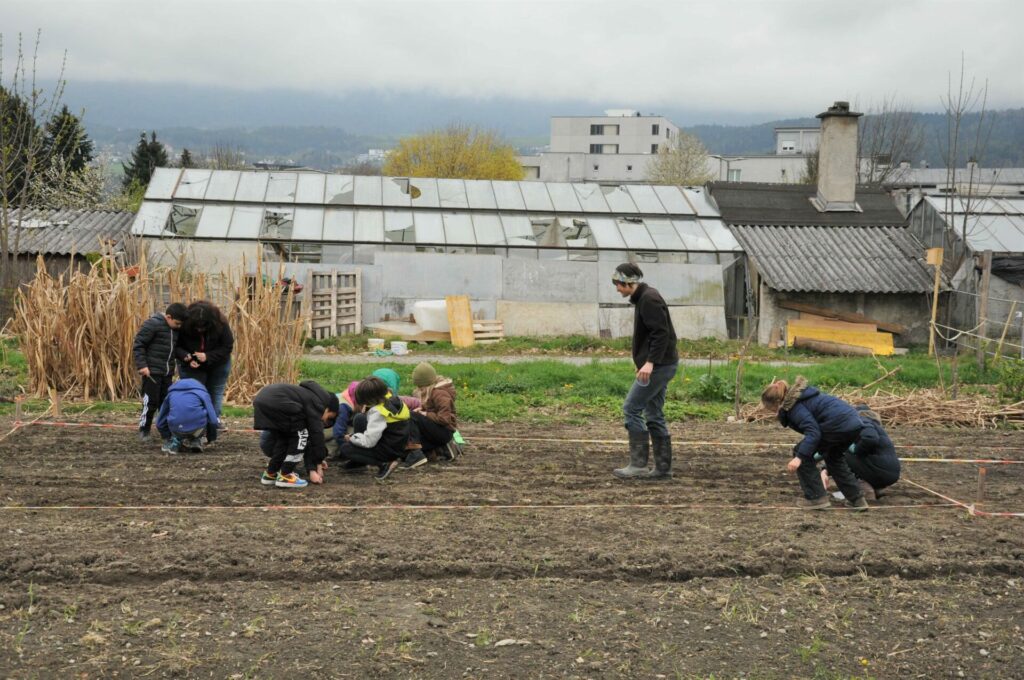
[[76, 330]]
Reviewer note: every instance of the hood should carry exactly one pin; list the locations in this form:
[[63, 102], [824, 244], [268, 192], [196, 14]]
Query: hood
[[800, 390], [390, 378], [187, 385], [327, 400], [865, 412]]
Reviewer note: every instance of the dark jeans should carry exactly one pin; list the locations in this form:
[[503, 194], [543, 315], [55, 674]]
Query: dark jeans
[[428, 434], [377, 455], [833, 452], [165, 433], [285, 449], [154, 391], [645, 404], [879, 470], [215, 380]]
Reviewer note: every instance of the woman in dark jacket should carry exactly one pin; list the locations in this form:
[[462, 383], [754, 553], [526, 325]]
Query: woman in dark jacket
[[829, 425], [204, 349]]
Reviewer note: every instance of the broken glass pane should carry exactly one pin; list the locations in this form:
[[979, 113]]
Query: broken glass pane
[[278, 222]]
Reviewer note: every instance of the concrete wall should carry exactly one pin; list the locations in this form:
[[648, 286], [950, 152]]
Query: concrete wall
[[572, 134], [909, 309]]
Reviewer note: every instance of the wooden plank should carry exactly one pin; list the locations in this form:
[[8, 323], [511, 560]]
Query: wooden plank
[[879, 343], [460, 320], [403, 330], [836, 348], [852, 317], [822, 322]]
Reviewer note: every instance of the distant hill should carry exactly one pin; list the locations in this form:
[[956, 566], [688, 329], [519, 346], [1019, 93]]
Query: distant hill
[[325, 131]]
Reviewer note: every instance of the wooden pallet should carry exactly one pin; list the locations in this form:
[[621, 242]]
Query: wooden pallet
[[335, 304], [488, 331]]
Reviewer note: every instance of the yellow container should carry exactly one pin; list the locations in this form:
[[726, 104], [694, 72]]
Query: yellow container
[[375, 343]]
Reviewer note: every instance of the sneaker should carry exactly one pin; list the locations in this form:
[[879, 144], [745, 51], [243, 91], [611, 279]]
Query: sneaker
[[859, 505], [415, 459], [385, 470], [144, 435], [452, 449], [267, 479], [352, 466], [444, 453], [868, 490], [820, 503], [171, 446], [292, 481]]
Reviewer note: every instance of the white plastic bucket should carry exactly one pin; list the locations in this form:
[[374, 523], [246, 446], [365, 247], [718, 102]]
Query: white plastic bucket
[[375, 343], [399, 347]]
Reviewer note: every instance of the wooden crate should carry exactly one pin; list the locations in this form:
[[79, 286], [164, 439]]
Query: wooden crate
[[335, 304], [488, 331]]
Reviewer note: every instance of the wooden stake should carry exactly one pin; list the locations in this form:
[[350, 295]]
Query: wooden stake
[[956, 371], [1006, 327], [936, 259], [17, 409], [979, 497], [986, 278]]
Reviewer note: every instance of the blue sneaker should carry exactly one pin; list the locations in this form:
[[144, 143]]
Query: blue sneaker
[[171, 446], [267, 479], [292, 481]]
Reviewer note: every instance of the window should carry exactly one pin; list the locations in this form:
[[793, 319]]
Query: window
[[595, 148], [629, 168], [668, 133], [604, 129], [789, 147], [734, 175], [654, 148], [604, 148], [596, 167], [597, 129], [655, 130]]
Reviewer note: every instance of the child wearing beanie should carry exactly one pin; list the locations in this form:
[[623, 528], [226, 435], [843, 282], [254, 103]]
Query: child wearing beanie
[[435, 420]]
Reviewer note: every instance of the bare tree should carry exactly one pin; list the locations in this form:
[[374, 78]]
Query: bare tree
[[890, 132], [683, 161], [361, 168], [224, 156], [23, 150]]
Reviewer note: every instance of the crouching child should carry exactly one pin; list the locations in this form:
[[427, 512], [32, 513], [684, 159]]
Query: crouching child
[[186, 415], [293, 418], [380, 438]]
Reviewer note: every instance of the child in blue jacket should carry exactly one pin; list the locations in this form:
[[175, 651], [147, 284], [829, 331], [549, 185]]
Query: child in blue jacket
[[829, 426], [185, 416], [872, 459]]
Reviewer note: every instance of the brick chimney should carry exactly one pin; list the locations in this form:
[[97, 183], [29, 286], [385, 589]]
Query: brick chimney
[[837, 160]]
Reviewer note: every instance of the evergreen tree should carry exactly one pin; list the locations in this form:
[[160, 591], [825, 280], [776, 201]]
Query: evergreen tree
[[18, 131], [147, 156], [185, 160], [64, 138]]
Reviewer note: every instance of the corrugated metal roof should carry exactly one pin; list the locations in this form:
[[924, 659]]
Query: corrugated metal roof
[[790, 204], [61, 232], [833, 259], [920, 177]]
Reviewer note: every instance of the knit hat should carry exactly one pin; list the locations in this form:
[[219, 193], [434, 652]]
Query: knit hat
[[390, 379], [424, 375]]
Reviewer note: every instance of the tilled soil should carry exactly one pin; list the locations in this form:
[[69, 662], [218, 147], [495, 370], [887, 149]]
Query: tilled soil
[[524, 558]]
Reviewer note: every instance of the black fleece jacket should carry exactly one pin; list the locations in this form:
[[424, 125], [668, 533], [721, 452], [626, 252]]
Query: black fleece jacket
[[654, 337], [153, 347], [218, 347], [284, 407]]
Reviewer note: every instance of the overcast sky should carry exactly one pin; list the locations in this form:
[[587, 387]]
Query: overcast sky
[[785, 56]]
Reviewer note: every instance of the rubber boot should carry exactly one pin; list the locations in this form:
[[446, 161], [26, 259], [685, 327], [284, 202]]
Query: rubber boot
[[662, 469], [639, 451]]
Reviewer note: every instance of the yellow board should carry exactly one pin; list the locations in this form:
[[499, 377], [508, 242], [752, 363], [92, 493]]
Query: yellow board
[[879, 343], [822, 322], [460, 320]]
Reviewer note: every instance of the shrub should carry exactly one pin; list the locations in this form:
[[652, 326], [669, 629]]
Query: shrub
[[1011, 380]]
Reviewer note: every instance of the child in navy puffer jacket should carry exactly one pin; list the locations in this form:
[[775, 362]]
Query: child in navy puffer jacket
[[185, 416], [829, 425]]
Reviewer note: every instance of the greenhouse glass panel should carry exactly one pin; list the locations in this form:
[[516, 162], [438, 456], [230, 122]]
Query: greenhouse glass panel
[[245, 222], [369, 226], [310, 188], [367, 190], [693, 235], [664, 234], [151, 218], [396, 191], [336, 254], [703, 258], [488, 229], [223, 185], [645, 198], [281, 187], [480, 194], [309, 224], [458, 229], [564, 198], [635, 234], [338, 225], [214, 222], [162, 183], [339, 190], [427, 188], [278, 222], [672, 198], [552, 254], [720, 235], [399, 226], [546, 231], [452, 193], [612, 255], [576, 232], [193, 184], [699, 199], [590, 197], [618, 200], [522, 253], [507, 195], [606, 234], [184, 219], [252, 187], [363, 254], [536, 196], [517, 230], [429, 228]]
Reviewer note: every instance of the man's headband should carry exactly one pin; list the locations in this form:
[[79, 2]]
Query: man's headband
[[619, 277]]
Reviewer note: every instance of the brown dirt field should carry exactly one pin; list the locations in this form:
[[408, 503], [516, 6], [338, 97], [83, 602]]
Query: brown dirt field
[[732, 584]]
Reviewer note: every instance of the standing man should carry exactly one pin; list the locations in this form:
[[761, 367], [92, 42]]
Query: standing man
[[656, 359]]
